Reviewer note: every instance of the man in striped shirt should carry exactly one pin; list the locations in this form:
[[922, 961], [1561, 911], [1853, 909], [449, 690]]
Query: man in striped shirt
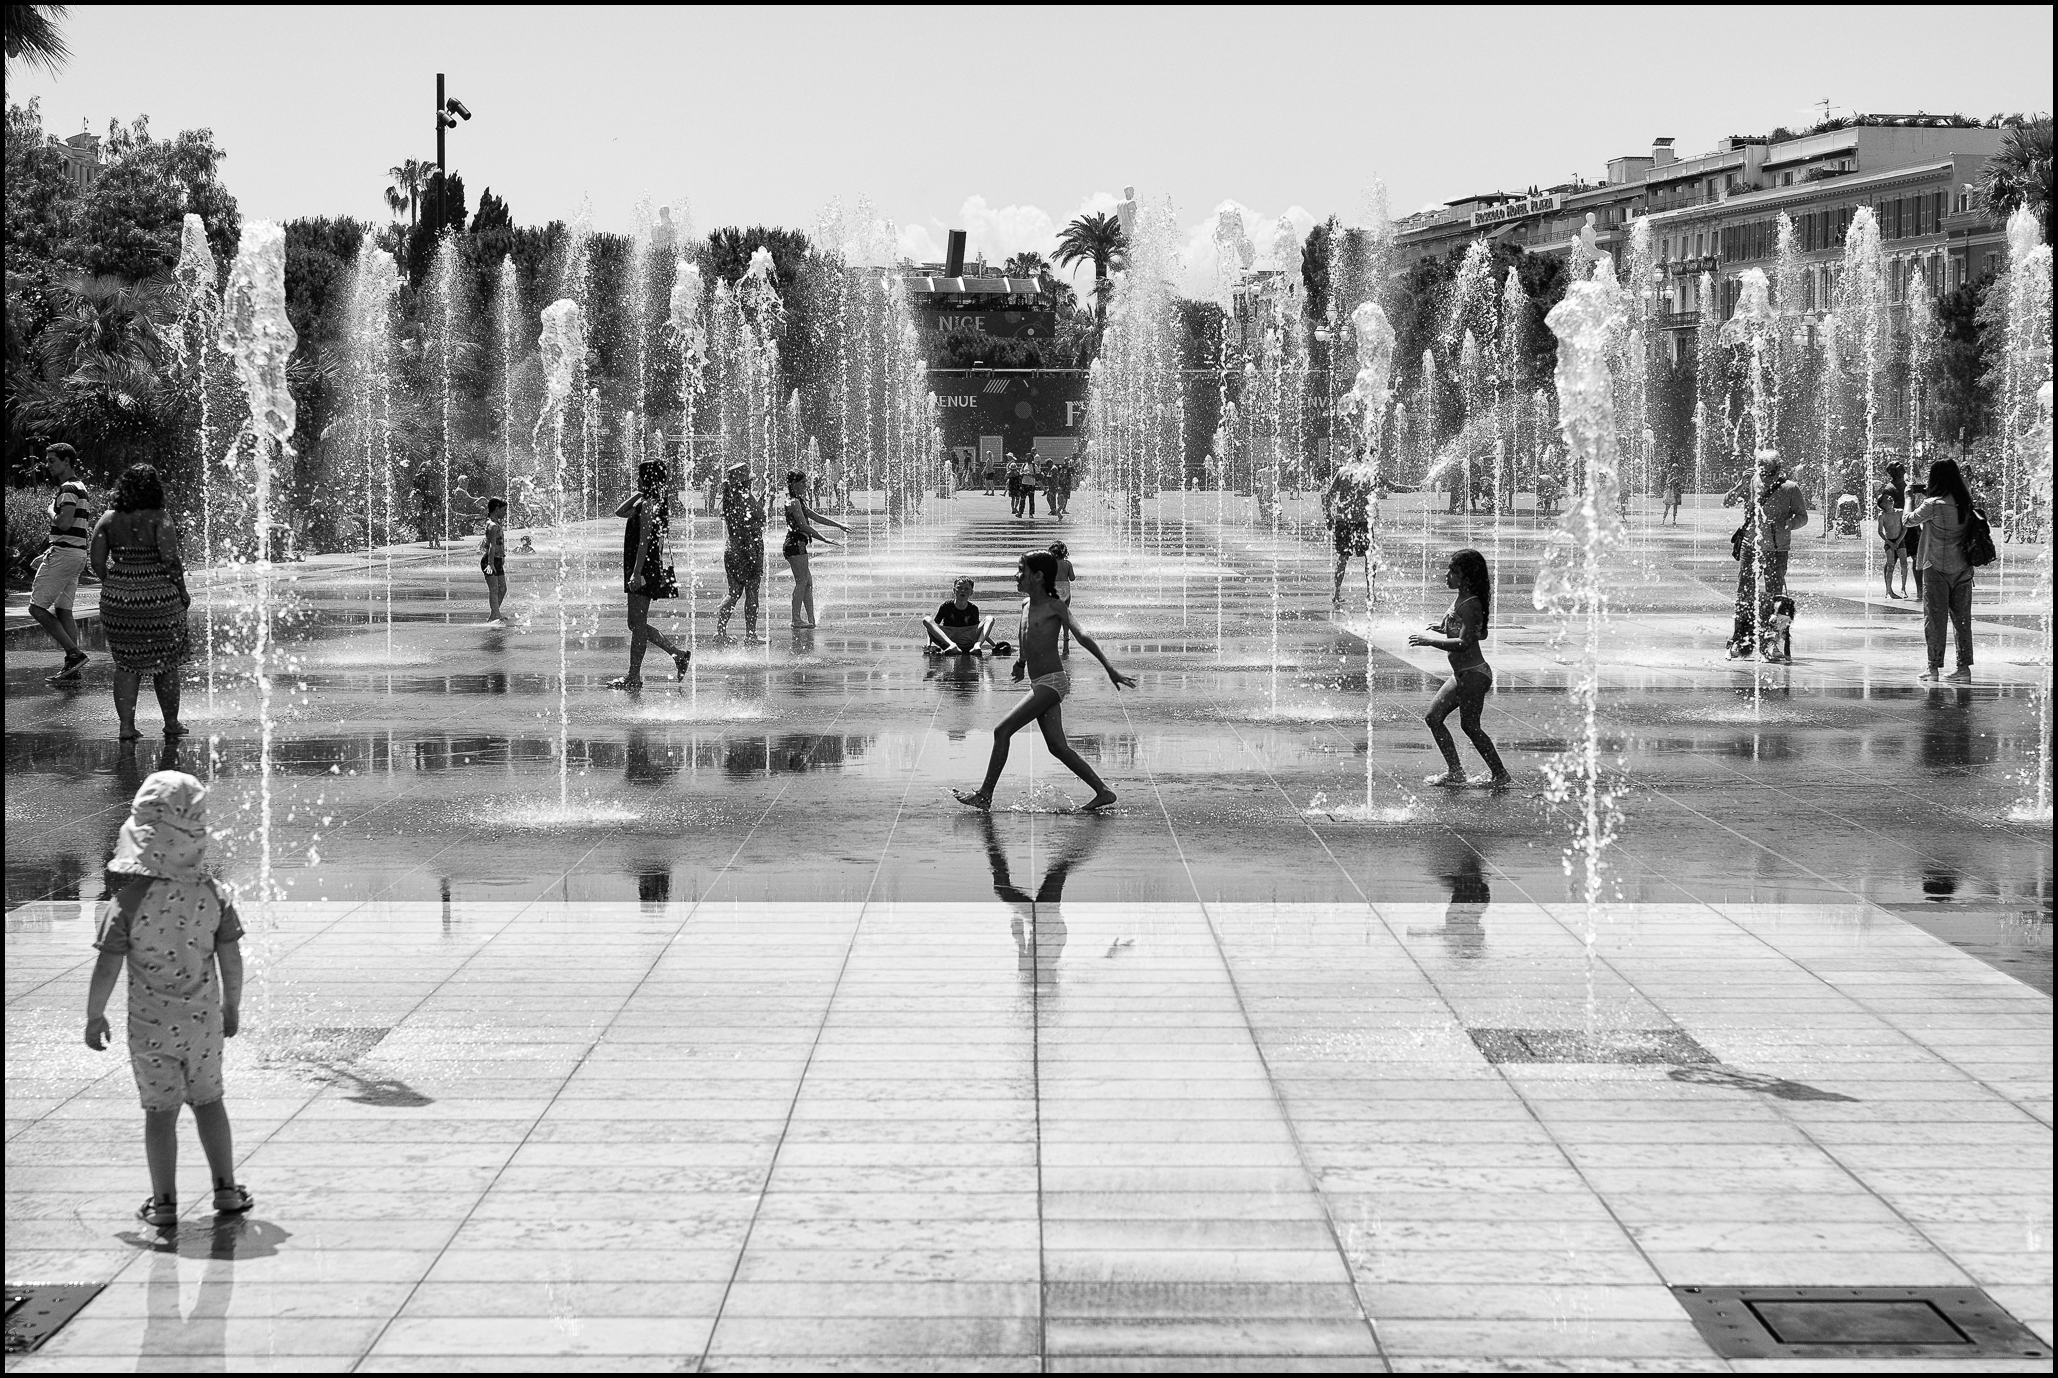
[[57, 576]]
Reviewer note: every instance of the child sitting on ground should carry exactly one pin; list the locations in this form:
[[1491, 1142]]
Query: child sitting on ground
[[179, 935], [957, 626]]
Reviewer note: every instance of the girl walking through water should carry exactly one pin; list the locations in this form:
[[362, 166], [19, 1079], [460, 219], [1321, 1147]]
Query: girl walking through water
[[1036, 578], [645, 573], [1459, 634]]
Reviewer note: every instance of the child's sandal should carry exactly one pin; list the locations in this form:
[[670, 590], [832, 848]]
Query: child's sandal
[[160, 1211], [233, 1199]]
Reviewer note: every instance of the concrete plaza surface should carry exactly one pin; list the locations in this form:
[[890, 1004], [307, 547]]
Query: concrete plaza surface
[[718, 1037]]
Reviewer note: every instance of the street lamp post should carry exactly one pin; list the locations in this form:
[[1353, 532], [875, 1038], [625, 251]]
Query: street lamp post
[[448, 112]]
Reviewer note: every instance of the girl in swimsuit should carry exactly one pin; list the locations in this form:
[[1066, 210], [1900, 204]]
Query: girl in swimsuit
[[799, 531], [1036, 578], [1459, 634]]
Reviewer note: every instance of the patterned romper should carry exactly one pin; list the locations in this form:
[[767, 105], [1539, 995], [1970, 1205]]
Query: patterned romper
[[175, 994]]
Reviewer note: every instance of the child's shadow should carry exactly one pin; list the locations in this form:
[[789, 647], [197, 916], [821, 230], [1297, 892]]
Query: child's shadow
[[1038, 922], [1464, 919], [197, 1341], [219, 1239]]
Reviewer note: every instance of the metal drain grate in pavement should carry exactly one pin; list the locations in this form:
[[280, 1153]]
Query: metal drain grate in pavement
[[341, 1042], [1634, 1047], [1857, 1323], [38, 1310]]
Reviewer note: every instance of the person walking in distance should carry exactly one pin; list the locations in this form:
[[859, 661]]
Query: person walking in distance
[[645, 572], [64, 560], [743, 558], [1763, 551], [1347, 509]]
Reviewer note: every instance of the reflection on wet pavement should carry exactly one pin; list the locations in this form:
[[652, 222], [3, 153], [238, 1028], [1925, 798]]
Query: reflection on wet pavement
[[757, 1051]]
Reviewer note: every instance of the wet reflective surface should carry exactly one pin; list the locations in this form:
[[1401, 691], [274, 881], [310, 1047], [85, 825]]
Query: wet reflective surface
[[763, 1053]]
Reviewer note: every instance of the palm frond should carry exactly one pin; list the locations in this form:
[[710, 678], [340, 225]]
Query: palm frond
[[32, 35]]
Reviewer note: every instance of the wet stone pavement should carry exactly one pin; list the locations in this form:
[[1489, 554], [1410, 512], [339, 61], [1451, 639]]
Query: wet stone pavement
[[700, 1029]]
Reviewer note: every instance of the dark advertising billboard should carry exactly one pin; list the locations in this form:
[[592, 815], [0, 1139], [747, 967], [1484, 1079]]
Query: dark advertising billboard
[[1006, 324], [988, 414]]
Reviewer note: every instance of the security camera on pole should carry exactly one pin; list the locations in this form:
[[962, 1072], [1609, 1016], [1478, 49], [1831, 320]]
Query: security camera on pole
[[448, 113]]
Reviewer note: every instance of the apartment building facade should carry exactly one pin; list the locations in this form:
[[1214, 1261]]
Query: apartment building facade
[[1718, 213]]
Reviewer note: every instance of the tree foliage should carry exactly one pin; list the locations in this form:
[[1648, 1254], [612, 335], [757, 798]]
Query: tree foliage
[[2019, 174], [1095, 239], [32, 35], [41, 203], [128, 221]]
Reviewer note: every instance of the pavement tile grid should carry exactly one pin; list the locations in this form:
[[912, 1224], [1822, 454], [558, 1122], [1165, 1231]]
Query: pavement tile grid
[[1077, 1136]]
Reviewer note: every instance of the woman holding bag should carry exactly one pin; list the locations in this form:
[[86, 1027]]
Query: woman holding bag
[[645, 573], [1943, 574]]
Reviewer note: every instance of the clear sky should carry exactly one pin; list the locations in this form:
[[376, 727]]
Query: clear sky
[[1005, 121]]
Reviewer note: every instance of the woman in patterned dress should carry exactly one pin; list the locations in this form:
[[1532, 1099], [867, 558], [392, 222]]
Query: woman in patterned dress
[[143, 598]]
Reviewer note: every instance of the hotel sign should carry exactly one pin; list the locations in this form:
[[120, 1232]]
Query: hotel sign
[[1515, 210]]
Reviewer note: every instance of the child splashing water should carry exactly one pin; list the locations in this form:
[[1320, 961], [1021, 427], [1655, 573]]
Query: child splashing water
[[1036, 578], [1462, 629]]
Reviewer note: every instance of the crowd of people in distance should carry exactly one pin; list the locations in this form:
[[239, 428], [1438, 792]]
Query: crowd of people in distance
[[1054, 476]]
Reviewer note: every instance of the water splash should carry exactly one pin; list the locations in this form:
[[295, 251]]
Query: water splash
[[259, 340], [1571, 584], [374, 294], [509, 310], [199, 276], [1863, 310], [562, 348]]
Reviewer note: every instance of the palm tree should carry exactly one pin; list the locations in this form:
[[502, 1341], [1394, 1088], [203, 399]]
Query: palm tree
[[1097, 239], [2019, 174], [410, 180], [1027, 264], [108, 333], [100, 363], [32, 34]]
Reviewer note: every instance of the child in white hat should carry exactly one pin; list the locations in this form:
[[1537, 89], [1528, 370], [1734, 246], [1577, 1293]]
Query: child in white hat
[[177, 933]]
